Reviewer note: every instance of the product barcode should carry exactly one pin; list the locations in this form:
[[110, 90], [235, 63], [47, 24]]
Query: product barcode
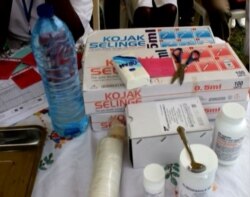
[[112, 85], [217, 99], [200, 121], [240, 73]]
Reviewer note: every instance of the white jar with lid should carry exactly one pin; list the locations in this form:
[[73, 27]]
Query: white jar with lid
[[154, 180], [229, 131], [197, 184]]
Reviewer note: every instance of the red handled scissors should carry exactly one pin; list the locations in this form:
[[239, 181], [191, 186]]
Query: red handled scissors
[[177, 54]]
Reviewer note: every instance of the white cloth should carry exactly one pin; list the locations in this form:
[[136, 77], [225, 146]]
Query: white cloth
[[132, 5], [149, 3], [19, 26], [84, 9], [71, 172]]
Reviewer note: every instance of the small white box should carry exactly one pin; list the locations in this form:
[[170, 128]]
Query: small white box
[[152, 134], [131, 72]]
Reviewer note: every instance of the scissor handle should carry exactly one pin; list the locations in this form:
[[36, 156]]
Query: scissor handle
[[177, 54], [194, 56]]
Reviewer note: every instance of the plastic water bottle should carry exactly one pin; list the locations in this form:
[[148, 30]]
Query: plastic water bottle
[[53, 47]]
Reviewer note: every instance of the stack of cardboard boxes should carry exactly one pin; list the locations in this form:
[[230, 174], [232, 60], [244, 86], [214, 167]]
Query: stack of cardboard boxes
[[218, 77]]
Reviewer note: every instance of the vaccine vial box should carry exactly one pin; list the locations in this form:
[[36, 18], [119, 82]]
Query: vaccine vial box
[[219, 76], [151, 129], [101, 121]]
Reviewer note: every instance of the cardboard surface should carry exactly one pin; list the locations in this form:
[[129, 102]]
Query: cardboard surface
[[101, 121], [153, 137], [218, 71]]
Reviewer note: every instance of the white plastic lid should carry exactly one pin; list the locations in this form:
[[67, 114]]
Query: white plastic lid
[[203, 180], [202, 154], [233, 112], [154, 178]]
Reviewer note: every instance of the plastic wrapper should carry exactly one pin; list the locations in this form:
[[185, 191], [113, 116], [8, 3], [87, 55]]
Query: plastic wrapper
[[108, 163]]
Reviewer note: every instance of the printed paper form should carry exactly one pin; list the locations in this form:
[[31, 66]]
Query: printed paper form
[[17, 104], [22, 94], [185, 112]]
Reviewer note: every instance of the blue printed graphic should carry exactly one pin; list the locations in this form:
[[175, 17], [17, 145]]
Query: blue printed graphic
[[167, 35], [169, 43], [127, 62], [119, 42], [185, 34], [202, 33]]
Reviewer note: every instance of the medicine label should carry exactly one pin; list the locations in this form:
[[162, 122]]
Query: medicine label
[[187, 114], [227, 148], [160, 194], [186, 191]]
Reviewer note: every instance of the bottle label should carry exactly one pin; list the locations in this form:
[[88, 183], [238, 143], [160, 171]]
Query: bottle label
[[160, 194], [227, 148], [186, 191]]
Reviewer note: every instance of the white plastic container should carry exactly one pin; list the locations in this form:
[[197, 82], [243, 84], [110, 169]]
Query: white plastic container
[[197, 184], [229, 131], [154, 180]]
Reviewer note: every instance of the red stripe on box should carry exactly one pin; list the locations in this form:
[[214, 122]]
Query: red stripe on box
[[7, 68], [26, 78], [29, 60], [158, 67]]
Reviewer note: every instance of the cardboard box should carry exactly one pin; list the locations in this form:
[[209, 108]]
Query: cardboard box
[[148, 38], [219, 73], [101, 121], [116, 101], [153, 137]]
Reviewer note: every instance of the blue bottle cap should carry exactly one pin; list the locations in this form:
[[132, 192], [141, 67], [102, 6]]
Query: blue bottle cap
[[45, 10]]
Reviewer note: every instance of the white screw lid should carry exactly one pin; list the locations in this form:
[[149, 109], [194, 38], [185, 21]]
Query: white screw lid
[[233, 112], [154, 178]]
